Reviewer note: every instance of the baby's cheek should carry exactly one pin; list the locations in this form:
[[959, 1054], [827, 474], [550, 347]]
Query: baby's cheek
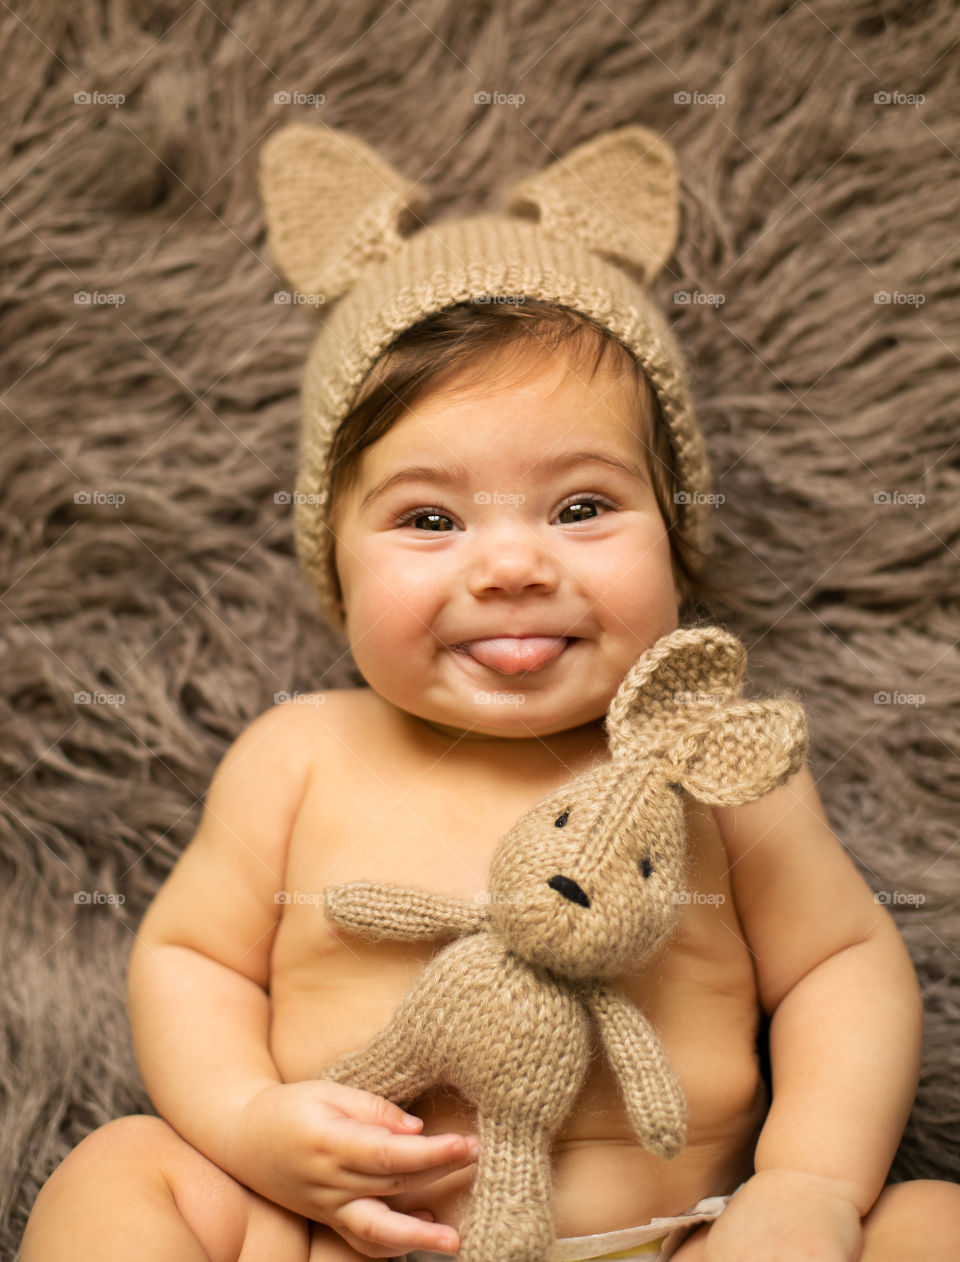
[[637, 587], [390, 624], [382, 624], [388, 586]]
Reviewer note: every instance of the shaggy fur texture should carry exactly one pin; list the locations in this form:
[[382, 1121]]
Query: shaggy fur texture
[[802, 199]]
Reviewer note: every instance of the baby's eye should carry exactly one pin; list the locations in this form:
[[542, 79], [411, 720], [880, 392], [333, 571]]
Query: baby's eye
[[436, 517], [580, 502]]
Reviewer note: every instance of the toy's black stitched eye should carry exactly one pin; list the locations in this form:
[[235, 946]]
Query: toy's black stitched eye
[[561, 819], [677, 788], [646, 869]]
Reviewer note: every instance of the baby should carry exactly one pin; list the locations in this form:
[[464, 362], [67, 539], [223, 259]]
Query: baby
[[502, 504]]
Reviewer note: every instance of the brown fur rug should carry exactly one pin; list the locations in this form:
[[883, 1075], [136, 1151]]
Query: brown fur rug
[[828, 411]]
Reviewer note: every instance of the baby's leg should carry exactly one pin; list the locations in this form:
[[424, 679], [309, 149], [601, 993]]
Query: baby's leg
[[134, 1191]]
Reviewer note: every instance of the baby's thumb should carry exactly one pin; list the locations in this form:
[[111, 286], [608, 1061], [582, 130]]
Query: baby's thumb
[[367, 1106]]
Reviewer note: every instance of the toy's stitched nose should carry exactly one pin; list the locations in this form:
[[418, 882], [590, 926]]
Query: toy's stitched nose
[[569, 889]]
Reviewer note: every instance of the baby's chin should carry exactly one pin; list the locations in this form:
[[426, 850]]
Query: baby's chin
[[529, 719], [500, 732]]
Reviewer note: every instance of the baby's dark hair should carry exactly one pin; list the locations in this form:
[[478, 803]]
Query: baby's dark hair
[[460, 342]]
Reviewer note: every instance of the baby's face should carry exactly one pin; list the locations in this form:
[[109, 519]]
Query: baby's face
[[500, 521]]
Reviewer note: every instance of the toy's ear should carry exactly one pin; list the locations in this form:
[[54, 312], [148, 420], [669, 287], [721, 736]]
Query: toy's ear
[[616, 193], [670, 686], [332, 205], [740, 753]]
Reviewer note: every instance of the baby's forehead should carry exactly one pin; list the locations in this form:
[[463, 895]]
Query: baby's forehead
[[598, 374]]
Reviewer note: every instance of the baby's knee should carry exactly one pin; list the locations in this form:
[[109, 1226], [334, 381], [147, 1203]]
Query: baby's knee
[[111, 1166], [139, 1162], [921, 1216], [119, 1148], [133, 1137]]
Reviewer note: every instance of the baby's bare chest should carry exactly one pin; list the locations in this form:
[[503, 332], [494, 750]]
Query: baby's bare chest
[[411, 821], [398, 823]]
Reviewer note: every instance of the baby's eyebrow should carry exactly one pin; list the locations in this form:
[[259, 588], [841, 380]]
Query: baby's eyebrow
[[457, 474]]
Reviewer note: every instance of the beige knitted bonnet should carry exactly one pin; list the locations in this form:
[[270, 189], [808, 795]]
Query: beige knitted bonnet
[[589, 232]]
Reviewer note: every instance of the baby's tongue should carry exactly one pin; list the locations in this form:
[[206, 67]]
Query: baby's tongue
[[510, 656]]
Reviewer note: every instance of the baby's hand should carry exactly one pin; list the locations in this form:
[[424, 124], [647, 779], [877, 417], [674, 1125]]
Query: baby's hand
[[330, 1152], [783, 1216]]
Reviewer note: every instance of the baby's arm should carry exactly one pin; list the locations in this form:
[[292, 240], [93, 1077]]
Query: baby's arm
[[845, 1035], [200, 1011]]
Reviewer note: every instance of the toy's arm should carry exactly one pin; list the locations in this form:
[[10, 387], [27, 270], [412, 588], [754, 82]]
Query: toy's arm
[[373, 909], [654, 1098]]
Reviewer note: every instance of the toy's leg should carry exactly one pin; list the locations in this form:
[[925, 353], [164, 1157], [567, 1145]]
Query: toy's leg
[[388, 1065], [510, 1216], [653, 1096]]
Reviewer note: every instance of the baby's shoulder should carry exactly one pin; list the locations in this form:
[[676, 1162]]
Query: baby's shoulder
[[284, 741], [319, 724], [337, 710], [304, 709]]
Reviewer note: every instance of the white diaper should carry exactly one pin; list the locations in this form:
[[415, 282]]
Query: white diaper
[[655, 1241]]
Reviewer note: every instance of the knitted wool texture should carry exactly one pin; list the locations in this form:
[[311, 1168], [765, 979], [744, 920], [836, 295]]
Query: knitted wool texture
[[580, 890], [589, 232]]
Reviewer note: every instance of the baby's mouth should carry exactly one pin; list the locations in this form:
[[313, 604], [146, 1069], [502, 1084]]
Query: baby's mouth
[[513, 655]]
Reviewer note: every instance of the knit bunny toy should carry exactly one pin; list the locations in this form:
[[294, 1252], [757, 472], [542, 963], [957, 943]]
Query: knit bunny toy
[[588, 882]]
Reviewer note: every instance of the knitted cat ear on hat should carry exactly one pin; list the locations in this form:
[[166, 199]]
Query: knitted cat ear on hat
[[592, 194], [589, 232], [332, 205]]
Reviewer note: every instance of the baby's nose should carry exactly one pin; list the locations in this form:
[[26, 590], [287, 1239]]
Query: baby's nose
[[569, 889], [512, 559]]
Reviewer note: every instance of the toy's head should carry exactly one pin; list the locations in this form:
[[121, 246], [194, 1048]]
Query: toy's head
[[592, 877]]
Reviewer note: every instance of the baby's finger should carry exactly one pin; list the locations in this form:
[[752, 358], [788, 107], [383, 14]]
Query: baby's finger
[[356, 1183], [343, 1246], [371, 1221], [370, 1150], [369, 1107]]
